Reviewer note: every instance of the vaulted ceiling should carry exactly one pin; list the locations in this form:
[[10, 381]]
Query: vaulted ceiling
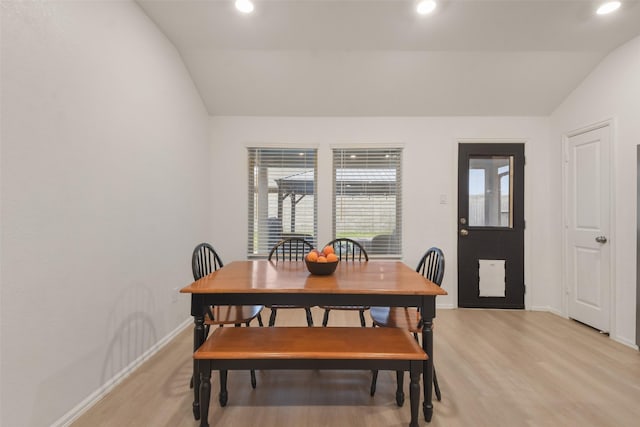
[[380, 58]]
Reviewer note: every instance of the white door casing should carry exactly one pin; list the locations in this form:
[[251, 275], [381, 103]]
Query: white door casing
[[588, 250]]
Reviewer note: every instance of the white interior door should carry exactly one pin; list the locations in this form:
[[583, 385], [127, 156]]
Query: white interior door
[[588, 218]]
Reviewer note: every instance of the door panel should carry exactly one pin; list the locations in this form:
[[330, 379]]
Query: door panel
[[491, 225], [588, 227]]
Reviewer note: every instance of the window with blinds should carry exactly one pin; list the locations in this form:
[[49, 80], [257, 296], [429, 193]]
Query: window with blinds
[[282, 197], [367, 202]]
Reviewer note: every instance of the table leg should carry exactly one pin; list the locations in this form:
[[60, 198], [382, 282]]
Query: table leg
[[427, 373], [198, 339]]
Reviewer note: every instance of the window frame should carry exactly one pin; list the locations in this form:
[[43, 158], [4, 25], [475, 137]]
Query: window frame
[[258, 245]]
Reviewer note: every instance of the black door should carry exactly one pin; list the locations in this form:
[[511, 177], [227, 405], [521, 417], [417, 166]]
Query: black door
[[491, 225]]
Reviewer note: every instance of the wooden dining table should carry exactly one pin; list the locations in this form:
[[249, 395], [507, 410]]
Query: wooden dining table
[[373, 283]]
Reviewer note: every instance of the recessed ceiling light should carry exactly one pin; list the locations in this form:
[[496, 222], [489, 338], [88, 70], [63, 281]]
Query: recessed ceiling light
[[244, 6], [608, 7], [425, 7]]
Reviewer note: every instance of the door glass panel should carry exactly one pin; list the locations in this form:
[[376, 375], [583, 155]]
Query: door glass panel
[[490, 197]]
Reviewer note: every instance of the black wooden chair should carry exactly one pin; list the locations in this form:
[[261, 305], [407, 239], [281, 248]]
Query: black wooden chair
[[383, 244], [347, 250], [430, 266], [291, 249], [204, 261]]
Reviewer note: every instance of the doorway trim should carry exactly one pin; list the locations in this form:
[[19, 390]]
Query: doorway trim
[[637, 246], [610, 123], [527, 204]]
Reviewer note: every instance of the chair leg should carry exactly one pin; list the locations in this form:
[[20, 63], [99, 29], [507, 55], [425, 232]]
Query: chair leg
[[362, 322], [260, 320], [374, 380], [325, 318], [374, 375], [309, 317], [436, 386], [272, 318], [253, 373], [400, 388], [223, 396]]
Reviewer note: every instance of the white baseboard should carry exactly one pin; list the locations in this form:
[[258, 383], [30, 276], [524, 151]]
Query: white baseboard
[[94, 397], [548, 309], [445, 306], [557, 312], [624, 341], [621, 340]]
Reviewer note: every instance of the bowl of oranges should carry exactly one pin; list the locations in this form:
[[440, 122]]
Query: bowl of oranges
[[321, 263]]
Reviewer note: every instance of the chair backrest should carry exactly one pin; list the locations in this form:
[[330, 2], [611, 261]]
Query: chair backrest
[[292, 249], [431, 265], [348, 250], [204, 261]]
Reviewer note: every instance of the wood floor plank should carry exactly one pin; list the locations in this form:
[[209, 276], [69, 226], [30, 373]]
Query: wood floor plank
[[496, 368]]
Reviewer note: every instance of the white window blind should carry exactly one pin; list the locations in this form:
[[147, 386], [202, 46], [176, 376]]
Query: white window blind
[[367, 201], [282, 197]]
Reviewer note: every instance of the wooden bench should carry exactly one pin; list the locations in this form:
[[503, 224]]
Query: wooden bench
[[307, 348]]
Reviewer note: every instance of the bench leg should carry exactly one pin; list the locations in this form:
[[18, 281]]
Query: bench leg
[[222, 398], [198, 339], [400, 388], [205, 392], [414, 392], [195, 379]]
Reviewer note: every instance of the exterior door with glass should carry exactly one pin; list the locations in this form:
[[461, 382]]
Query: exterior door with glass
[[491, 225]]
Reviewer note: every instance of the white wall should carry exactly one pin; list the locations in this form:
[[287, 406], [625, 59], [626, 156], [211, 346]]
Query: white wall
[[612, 91], [105, 192], [429, 170]]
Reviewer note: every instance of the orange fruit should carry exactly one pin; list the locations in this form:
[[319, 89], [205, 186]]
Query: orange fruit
[[327, 250], [322, 259], [312, 256], [332, 258]]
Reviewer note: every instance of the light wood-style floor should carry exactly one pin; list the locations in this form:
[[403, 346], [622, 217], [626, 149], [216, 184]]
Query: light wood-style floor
[[496, 368]]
